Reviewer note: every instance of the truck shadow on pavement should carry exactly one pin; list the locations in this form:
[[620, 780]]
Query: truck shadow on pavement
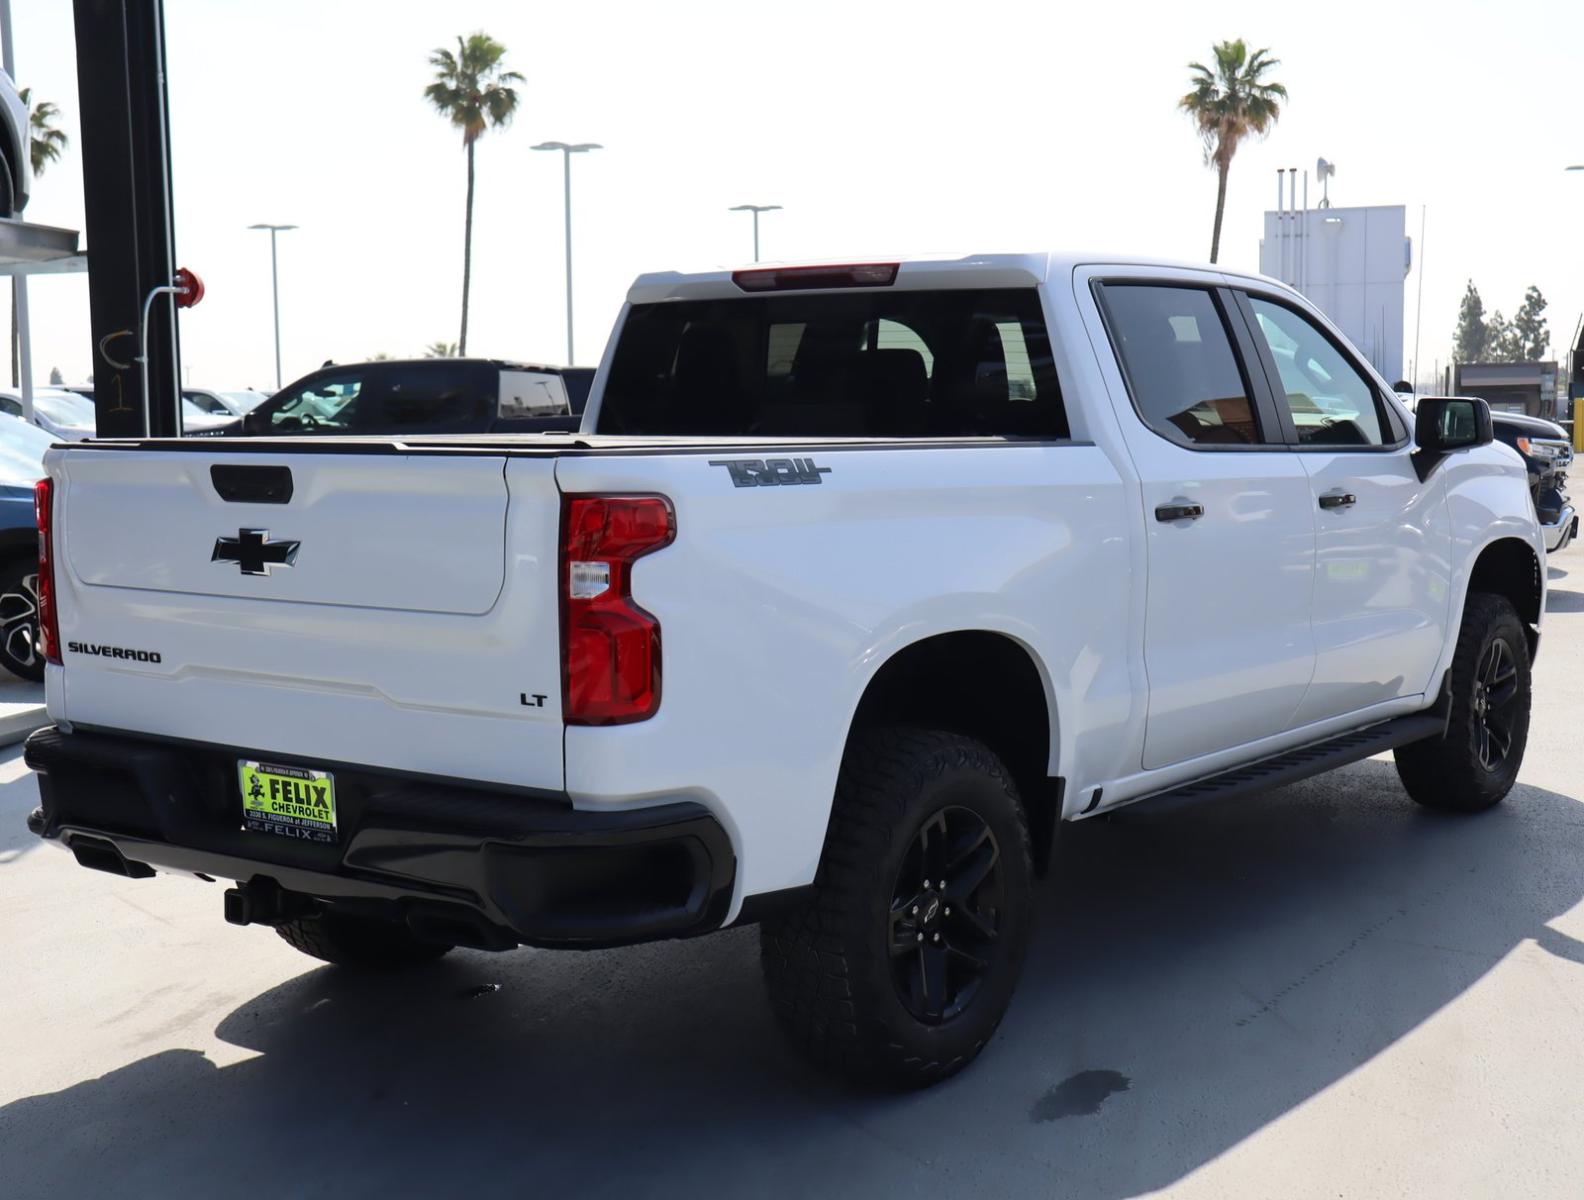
[[1194, 976]]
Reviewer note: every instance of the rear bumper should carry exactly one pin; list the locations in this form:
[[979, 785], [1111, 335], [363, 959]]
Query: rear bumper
[[1560, 532], [463, 865]]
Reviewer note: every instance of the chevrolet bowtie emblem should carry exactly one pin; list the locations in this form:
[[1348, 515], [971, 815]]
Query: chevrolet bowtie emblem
[[253, 551]]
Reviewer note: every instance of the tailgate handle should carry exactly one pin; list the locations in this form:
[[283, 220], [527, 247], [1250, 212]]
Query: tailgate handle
[[252, 485]]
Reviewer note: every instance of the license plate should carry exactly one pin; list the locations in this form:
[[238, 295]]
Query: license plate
[[294, 802]]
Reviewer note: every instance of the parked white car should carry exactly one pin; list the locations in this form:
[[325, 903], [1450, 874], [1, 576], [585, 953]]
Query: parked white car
[[63, 413], [857, 582], [226, 405]]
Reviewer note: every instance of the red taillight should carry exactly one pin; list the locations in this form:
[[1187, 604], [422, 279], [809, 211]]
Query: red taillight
[[610, 648], [48, 622], [795, 279]]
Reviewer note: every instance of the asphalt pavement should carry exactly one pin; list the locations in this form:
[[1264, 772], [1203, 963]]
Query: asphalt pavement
[[1320, 991]]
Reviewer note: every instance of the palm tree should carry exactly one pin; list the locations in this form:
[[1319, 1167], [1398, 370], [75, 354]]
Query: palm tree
[[472, 91], [441, 350], [45, 143], [1227, 105]]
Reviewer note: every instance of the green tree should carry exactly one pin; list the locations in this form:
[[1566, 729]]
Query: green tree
[[1529, 327], [45, 143], [56, 378], [1501, 341], [1227, 105], [441, 350], [474, 93], [1468, 343]]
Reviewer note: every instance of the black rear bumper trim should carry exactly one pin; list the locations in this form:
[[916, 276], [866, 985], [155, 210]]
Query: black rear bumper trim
[[511, 867]]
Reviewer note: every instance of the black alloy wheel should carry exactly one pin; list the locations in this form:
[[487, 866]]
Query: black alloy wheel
[[19, 648], [897, 966], [945, 909], [1475, 762], [1495, 690]]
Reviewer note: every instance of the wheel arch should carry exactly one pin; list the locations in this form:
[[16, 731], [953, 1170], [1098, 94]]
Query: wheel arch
[[987, 685], [1510, 567]]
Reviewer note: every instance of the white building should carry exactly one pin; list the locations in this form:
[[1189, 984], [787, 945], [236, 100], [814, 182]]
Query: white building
[[1352, 263]]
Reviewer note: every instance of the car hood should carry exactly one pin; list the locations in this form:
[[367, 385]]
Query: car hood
[[1528, 426]]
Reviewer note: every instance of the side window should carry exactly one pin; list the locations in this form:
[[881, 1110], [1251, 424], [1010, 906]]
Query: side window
[[402, 398], [1180, 366], [14, 407], [326, 404], [1331, 402]]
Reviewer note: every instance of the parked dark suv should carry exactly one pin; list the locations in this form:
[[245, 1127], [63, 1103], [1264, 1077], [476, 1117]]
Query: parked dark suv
[[426, 395], [1547, 453]]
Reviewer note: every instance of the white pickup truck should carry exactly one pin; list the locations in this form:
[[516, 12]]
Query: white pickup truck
[[858, 581]]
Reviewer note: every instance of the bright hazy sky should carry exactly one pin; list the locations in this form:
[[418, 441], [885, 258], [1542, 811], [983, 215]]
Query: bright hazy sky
[[881, 127]]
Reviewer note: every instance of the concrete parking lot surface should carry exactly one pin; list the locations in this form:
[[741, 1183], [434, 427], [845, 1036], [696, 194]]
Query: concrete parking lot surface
[[1321, 991]]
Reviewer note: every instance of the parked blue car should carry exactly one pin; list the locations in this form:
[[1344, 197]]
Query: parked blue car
[[22, 449]]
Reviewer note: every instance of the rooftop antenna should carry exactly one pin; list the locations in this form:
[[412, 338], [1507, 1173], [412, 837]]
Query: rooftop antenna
[[1323, 172]]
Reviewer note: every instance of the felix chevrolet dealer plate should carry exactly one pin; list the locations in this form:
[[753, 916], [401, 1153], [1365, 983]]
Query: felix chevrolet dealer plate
[[294, 802]]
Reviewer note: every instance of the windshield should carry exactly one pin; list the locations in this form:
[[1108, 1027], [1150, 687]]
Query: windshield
[[65, 408], [245, 401]]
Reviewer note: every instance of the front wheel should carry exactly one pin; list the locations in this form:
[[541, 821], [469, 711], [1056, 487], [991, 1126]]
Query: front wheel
[[1475, 764], [900, 966]]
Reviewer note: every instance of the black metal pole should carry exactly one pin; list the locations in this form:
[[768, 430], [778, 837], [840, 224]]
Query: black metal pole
[[130, 229]]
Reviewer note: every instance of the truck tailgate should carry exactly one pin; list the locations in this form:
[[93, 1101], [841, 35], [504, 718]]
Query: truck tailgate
[[372, 617]]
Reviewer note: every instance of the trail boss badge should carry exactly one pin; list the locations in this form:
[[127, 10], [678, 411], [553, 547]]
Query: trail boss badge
[[771, 472]]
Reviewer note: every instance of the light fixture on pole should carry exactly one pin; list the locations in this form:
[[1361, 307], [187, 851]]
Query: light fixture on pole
[[756, 209], [275, 288], [568, 149], [1323, 172]]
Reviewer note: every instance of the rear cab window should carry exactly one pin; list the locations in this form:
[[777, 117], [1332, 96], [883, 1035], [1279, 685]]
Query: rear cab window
[[860, 364]]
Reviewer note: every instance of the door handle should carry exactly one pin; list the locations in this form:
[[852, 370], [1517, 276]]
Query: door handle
[[1179, 510], [1338, 500]]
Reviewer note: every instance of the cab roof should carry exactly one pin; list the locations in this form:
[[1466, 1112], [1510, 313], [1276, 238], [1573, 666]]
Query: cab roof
[[914, 272]]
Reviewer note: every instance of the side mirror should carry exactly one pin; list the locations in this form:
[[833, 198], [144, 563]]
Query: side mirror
[[1443, 424]]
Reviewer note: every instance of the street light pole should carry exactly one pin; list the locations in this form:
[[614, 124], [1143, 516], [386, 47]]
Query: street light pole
[[756, 209], [275, 288], [568, 149]]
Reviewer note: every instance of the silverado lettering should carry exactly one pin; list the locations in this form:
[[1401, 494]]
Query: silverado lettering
[[148, 656]]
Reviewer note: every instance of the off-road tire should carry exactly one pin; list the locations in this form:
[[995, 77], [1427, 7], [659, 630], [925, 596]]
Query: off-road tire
[[364, 942], [829, 964], [1447, 773]]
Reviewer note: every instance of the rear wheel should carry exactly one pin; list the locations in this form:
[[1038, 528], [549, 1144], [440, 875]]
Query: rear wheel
[[350, 941], [899, 967], [19, 651], [1476, 763]]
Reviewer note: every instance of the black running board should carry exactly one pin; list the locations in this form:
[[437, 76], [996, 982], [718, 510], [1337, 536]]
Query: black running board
[[1293, 765]]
